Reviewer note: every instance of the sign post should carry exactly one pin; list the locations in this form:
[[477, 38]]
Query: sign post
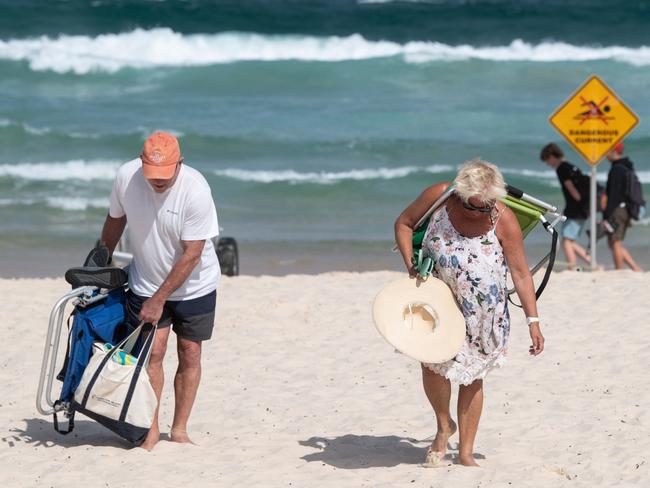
[[593, 120]]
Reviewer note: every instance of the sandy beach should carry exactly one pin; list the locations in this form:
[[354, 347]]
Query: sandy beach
[[299, 390]]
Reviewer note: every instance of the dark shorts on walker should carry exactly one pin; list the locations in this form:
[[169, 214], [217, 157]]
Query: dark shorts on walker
[[620, 221], [191, 319]]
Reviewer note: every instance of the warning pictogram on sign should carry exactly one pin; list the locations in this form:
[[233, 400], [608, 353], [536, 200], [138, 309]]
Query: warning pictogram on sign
[[593, 120]]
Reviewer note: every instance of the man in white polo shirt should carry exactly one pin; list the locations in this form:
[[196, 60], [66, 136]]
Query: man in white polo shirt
[[175, 272]]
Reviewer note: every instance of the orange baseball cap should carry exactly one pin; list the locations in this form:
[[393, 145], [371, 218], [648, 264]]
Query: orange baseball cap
[[160, 154]]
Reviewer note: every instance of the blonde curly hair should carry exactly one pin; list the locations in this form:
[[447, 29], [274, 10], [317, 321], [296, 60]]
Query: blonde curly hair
[[479, 179]]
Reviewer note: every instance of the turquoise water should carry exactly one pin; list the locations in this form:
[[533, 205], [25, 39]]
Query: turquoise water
[[312, 128]]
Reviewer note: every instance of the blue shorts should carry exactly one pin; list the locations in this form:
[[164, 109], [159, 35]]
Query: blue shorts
[[572, 228]]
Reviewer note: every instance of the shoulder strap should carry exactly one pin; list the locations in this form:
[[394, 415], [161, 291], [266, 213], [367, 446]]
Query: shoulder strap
[[103, 362], [499, 213], [143, 360]]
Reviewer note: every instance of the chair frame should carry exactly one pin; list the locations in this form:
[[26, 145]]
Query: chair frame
[[82, 296], [515, 197]]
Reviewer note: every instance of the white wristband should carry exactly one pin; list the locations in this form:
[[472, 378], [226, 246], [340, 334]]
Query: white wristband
[[532, 320]]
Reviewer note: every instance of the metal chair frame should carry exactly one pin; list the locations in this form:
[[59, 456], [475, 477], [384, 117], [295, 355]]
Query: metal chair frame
[[82, 296], [554, 217]]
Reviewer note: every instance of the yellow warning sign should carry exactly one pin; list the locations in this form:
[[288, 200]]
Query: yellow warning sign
[[593, 120]]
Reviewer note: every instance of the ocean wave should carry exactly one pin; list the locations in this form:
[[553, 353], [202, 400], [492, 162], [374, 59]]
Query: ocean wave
[[76, 204], [61, 171], [61, 203], [547, 177], [37, 131], [518, 50], [550, 175], [326, 177], [140, 132], [105, 170], [34, 130], [142, 48], [531, 173]]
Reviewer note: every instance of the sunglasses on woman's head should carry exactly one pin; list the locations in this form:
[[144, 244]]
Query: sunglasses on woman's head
[[485, 209]]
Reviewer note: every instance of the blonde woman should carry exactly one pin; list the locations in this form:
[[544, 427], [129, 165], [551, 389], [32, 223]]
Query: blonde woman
[[474, 240]]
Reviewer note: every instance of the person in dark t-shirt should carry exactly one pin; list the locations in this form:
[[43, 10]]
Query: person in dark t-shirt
[[616, 213], [575, 212]]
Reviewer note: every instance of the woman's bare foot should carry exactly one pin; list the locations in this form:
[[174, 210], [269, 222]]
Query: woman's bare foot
[[439, 444], [180, 435], [467, 460], [434, 460], [438, 449]]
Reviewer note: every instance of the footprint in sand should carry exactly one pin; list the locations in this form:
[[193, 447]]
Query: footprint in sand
[[560, 470]]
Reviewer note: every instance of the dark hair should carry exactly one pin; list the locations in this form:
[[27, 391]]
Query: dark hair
[[551, 150]]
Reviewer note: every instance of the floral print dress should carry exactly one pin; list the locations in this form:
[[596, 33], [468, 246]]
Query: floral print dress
[[475, 270]]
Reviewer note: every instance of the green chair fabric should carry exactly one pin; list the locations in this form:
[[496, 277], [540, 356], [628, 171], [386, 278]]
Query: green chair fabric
[[528, 216]]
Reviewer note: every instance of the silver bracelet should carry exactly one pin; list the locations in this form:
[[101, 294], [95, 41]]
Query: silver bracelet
[[532, 320]]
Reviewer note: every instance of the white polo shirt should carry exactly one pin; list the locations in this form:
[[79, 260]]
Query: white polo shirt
[[158, 222]]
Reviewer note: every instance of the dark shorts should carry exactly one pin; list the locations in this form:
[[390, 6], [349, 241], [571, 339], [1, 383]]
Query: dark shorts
[[620, 221], [190, 319]]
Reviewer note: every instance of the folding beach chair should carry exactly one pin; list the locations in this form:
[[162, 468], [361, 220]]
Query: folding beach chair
[[98, 298], [530, 212]]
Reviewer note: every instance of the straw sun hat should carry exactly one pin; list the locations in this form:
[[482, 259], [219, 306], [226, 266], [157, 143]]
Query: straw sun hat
[[420, 318]]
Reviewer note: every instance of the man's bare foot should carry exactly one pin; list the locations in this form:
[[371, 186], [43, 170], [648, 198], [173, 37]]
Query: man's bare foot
[[180, 435], [439, 444], [467, 460], [152, 439]]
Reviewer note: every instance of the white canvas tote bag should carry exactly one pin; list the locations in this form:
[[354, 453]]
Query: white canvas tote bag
[[119, 396]]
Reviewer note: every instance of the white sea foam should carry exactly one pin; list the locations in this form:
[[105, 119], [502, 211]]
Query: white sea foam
[[63, 203], [105, 170], [326, 177], [77, 203], [164, 47], [518, 50], [44, 130], [532, 173], [547, 177], [62, 171], [6, 201], [37, 131]]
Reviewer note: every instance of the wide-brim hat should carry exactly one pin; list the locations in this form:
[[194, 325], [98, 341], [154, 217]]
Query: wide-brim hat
[[420, 318]]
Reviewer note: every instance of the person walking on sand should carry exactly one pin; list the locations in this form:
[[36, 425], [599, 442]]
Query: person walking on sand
[[174, 274], [474, 240], [616, 212], [576, 204]]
